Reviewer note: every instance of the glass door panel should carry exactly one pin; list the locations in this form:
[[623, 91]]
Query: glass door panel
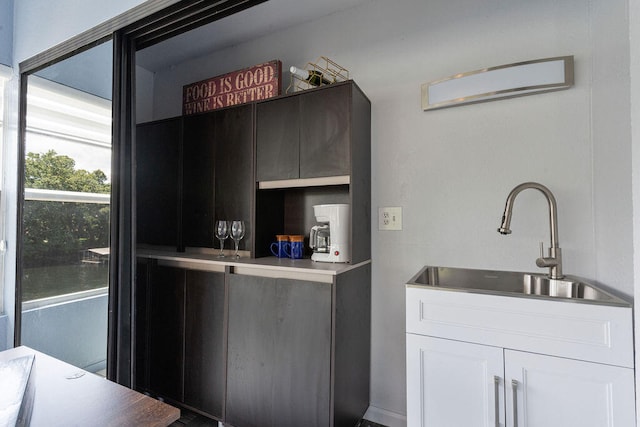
[[64, 264]]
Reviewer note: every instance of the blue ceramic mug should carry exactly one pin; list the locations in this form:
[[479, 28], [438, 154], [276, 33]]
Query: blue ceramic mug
[[297, 247], [281, 248]]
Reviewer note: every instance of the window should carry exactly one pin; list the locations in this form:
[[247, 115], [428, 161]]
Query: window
[[64, 268], [66, 209], [5, 75]]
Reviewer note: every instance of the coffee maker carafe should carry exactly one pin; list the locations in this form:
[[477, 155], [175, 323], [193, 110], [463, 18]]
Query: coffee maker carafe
[[330, 239]]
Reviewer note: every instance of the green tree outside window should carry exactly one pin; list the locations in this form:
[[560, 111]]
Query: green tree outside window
[[56, 233]]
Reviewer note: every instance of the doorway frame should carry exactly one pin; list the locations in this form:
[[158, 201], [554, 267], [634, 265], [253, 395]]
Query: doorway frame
[[149, 23]]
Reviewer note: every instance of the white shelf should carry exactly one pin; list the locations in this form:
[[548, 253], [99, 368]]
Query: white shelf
[[305, 182]]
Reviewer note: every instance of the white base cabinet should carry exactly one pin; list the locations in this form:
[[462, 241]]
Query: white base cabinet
[[556, 392], [458, 384], [450, 383], [455, 380]]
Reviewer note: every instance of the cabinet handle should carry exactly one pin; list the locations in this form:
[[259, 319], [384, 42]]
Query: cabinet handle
[[496, 392], [514, 389]]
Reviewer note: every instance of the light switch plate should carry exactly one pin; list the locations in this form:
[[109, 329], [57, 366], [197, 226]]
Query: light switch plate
[[390, 218]]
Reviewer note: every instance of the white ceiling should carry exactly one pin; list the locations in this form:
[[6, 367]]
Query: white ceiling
[[249, 24]]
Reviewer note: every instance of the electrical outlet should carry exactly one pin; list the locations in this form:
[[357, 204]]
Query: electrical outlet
[[390, 218]]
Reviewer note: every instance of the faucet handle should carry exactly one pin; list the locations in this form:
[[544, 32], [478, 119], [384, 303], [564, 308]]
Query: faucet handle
[[542, 261]]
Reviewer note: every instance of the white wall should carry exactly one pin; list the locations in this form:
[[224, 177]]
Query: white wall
[[452, 169], [611, 139], [6, 31]]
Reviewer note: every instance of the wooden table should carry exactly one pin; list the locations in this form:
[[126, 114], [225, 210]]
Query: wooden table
[[69, 396]]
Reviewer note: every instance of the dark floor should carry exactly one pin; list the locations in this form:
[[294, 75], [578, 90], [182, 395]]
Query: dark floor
[[367, 423], [194, 420]]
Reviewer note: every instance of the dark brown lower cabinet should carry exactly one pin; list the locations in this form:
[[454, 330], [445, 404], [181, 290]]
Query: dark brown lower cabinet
[[294, 352], [298, 350], [166, 331], [182, 328], [204, 342], [279, 352]]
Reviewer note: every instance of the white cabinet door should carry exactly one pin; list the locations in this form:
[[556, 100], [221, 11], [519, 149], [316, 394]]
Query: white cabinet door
[[557, 392], [453, 383]]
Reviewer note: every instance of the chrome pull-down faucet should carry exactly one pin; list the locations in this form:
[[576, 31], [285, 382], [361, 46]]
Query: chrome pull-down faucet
[[554, 260]]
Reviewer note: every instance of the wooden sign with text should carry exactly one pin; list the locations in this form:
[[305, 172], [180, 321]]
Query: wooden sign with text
[[238, 87]]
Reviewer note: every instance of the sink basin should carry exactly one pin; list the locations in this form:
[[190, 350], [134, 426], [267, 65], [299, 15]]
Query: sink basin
[[565, 288], [511, 282]]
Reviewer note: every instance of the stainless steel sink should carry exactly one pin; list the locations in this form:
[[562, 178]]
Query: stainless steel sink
[[564, 288], [513, 283]]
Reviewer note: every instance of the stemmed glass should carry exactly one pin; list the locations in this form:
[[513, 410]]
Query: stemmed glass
[[237, 233], [222, 233]]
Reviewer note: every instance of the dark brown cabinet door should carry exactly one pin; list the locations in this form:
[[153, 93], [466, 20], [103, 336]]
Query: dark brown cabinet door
[[141, 325], [325, 135], [180, 335], [278, 146], [198, 180], [307, 135], [158, 182], [218, 181], [166, 331], [234, 180], [278, 352], [204, 379]]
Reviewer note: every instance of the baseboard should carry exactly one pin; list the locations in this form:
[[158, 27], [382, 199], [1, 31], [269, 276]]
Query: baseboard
[[384, 417]]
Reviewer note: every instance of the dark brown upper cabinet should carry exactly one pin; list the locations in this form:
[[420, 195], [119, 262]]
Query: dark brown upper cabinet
[[306, 135], [313, 147], [234, 177], [278, 149], [218, 181], [198, 180], [325, 132], [158, 184], [192, 171]]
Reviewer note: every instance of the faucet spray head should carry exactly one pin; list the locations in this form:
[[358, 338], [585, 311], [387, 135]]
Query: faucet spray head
[[504, 226]]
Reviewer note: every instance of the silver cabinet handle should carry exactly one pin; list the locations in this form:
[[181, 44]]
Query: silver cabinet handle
[[514, 389], [496, 392]]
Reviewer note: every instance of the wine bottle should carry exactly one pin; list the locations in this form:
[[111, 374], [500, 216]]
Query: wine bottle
[[313, 77]]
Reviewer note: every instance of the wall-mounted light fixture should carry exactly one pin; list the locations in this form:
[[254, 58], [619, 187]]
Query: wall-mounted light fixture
[[503, 81]]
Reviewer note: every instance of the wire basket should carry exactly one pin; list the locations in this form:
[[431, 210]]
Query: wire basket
[[329, 71]]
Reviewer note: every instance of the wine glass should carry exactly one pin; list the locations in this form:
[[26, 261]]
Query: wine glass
[[237, 233], [222, 233]]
